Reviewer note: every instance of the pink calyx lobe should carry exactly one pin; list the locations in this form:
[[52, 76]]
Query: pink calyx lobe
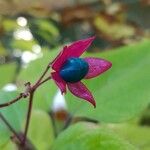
[[79, 89], [59, 81], [96, 66], [74, 50]]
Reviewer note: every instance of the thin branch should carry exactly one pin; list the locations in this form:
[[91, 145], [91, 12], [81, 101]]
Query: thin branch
[[12, 101], [10, 127], [45, 80], [42, 76], [53, 123], [68, 122], [28, 117], [25, 94]]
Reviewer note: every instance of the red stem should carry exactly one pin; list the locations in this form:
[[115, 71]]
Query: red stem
[[12, 101], [45, 80], [40, 79], [28, 117], [34, 87]]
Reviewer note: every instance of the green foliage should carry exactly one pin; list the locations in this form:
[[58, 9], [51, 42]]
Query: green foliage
[[7, 73], [7, 146], [123, 91], [14, 115], [16, 112], [136, 135], [85, 136], [4, 135], [41, 131]]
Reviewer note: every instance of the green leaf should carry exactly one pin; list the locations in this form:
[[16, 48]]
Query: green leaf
[[14, 114], [136, 135], [7, 73], [122, 92], [86, 136], [4, 135], [7, 146], [41, 131]]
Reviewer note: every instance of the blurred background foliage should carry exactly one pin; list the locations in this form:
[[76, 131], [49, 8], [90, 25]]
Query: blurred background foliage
[[33, 32]]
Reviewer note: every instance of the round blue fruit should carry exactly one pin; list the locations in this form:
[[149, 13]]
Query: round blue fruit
[[74, 69]]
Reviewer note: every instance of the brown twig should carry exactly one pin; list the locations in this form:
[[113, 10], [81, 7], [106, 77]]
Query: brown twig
[[10, 127], [31, 90], [28, 117], [45, 80], [12, 101], [42, 76]]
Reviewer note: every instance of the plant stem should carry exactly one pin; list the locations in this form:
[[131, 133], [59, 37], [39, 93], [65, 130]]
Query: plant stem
[[68, 122], [34, 87], [32, 90], [10, 127], [42, 76], [12, 101], [28, 92], [45, 80], [53, 123], [28, 117]]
